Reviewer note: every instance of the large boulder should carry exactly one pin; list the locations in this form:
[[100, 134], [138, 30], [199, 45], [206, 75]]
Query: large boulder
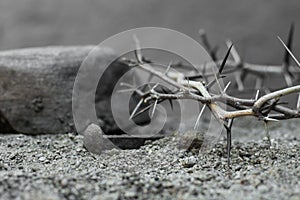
[[36, 88]]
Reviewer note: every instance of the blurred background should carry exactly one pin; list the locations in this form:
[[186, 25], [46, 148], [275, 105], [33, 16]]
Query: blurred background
[[251, 25]]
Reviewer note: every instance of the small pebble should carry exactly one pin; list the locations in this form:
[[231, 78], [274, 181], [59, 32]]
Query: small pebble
[[42, 159], [189, 161]]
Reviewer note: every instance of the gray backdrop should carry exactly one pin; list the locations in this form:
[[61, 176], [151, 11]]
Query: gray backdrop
[[252, 25]]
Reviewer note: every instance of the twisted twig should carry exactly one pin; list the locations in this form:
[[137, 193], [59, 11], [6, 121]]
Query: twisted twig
[[194, 86]]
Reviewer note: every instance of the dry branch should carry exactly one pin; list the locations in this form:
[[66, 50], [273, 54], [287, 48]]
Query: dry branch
[[193, 85]]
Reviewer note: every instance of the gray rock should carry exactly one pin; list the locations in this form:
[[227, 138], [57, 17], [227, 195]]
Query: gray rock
[[189, 161], [42, 159], [94, 141], [36, 87]]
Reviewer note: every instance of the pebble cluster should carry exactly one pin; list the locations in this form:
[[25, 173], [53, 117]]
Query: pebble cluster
[[59, 167]]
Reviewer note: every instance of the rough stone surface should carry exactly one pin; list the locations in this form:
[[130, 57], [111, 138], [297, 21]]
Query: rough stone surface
[[36, 88], [94, 141]]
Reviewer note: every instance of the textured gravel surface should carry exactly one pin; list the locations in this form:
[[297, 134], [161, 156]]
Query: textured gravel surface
[[58, 167]]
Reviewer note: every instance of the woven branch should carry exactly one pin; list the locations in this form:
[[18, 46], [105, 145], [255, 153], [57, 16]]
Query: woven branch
[[193, 85]]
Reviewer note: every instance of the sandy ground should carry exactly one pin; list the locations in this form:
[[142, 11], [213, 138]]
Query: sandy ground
[[58, 167]]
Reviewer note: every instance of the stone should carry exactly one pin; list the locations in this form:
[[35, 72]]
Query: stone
[[189, 161], [42, 159], [94, 140], [191, 141], [36, 87]]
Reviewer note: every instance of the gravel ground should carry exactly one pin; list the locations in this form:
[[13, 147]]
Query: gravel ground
[[58, 167]]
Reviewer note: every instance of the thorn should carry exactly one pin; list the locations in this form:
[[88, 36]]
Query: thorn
[[229, 142], [210, 84], [228, 146], [288, 79], [291, 54], [256, 95], [203, 72], [155, 86], [267, 119], [267, 133], [226, 87], [239, 81], [126, 90], [154, 107], [212, 52], [136, 108], [126, 84], [137, 51], [225, 59], [286, 59], [298, 103], [199, 116], [143, 110], [168, 68], [268, 108], [188, 84], [147, 107], [217, 80], [243, 75], [234, 53], [258, 83]]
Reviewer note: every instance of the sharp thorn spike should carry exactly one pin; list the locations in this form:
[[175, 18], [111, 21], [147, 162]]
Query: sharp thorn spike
[[267, 133], [258, 83], [146, 108], [126, 90], [267, 119], [137, 51], [168, 68], [155, 86], [211, 51], [126, 84], [257, 94], [227, 86], [286, 59], [154, 107], [199, 116], [228, 146], [228, 127], [298, 103], [143, 110], [288, 79], [239, 82], [288, 50], [203, 73], [234, 53], [136, 108], [225, 59], [188, 85], [217, 80]]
